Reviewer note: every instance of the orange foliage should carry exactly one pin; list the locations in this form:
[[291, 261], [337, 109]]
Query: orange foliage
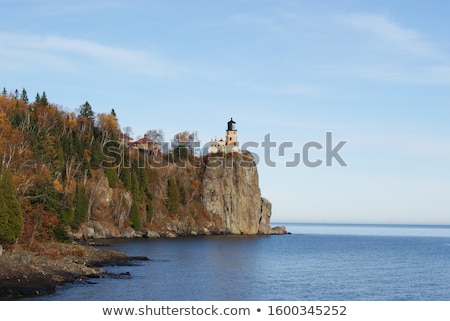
[[38, 225]]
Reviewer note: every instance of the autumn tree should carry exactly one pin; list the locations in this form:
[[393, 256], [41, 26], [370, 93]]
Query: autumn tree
[[109, 127], [156, 135], [184, 143]]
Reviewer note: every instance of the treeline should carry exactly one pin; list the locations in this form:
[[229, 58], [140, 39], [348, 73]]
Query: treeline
[[51, 163]]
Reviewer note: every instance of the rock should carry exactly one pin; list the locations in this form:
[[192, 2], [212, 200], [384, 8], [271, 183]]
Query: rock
[[1, 250], [265, 214], [88, 232], [171, 234], [230, 190], [151, 234], [278, 230], [128, 232]]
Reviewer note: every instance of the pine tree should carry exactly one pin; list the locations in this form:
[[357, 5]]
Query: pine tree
[[44, 100], [96, 155], [138, 196], [111, 175], [24, 96], [135, 217], [86, 111], [11, 216], [125, 176], [37, 99], [173, 198], [81, 207]]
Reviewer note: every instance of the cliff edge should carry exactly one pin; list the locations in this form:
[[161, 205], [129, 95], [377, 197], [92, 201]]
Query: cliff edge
[[230, 191]]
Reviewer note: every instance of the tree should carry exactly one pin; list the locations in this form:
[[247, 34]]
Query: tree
[[135, 217], [111, 174], [136, 189], [185, 141], [86, 111], [125, 176], [173, 198], [156, 135], [24, 96], [37, 99], [81, 207], [44, 100], [11, 216]]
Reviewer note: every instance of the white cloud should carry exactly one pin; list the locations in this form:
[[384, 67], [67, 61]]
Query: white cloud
[[66, 54], [390, 34]]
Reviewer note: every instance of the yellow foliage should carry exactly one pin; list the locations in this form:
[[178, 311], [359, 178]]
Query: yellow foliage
[[58, 186]]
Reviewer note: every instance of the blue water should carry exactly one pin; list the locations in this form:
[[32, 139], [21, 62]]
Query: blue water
[[315, 262]]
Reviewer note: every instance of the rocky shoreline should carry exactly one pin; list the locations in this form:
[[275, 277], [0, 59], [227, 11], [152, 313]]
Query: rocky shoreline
[[27, 274]]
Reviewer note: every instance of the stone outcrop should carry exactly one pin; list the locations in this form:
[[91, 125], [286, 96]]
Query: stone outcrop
[[222, 196], [230, 190]]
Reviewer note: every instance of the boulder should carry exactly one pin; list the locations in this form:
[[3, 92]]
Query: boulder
[[278, 230], [151, 234]]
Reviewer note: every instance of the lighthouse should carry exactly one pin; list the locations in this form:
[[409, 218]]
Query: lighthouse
[[231, 136], [230, 145]]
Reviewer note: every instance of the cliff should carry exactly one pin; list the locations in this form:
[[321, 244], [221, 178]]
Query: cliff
[[230, 191], [219, 196], [65, 175]]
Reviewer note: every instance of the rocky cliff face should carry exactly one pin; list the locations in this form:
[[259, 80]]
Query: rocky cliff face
[[220, 197], [230, 190]]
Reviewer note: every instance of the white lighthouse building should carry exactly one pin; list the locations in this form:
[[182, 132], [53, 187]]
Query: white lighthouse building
[[230, 144]]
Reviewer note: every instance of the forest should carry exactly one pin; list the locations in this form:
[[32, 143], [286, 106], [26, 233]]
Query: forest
[[54, 162]]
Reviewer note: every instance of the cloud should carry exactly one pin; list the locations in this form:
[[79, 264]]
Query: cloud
[[66, 54], [391, 34]]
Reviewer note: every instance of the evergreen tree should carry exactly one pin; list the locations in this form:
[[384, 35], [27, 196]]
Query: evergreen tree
[[37, 99], [86, 111], [173, 198], [11, 216], [44, 100], [138, 196], [24, 96], [135, 217], [81, 207], [125, 176], [96, 154], [113, 112], [4, 93], [112, 176]]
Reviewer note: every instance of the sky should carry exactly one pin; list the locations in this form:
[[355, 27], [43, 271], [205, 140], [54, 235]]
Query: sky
[[374, 75]]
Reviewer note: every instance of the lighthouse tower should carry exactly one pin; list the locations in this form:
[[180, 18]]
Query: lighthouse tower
[[230, 145], [231, 141]]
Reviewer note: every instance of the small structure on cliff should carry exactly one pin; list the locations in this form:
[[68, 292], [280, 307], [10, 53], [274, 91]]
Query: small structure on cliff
[[229, 145]]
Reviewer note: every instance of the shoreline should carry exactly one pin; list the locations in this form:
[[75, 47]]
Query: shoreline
[[28, 274]]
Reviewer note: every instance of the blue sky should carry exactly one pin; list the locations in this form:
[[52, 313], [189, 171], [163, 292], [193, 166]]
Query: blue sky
[[375, 74]]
